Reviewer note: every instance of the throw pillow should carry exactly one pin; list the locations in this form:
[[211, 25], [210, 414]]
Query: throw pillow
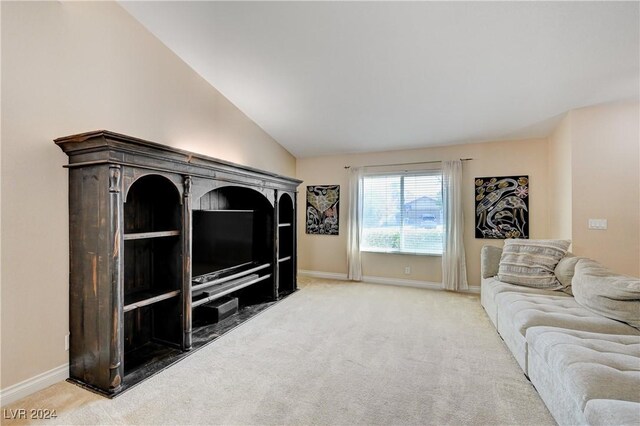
[[490, 261], [564, 271], [531, 263], [608, 294]]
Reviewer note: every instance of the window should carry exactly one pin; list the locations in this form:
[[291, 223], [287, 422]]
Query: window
[[402, 213]]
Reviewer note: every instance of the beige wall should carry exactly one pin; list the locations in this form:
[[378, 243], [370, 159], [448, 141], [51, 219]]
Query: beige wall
[[69, 68], [605, 163], [560, 179], [328, 253], [594, 165]]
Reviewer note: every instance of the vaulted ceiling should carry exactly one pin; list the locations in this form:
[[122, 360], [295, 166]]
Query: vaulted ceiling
[[335, 77]]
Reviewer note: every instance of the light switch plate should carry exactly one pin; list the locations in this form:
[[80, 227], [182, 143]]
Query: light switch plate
[[598, 224]]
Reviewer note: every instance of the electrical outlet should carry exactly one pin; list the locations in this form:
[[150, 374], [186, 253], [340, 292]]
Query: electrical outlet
[[407, 270], [66, 342]]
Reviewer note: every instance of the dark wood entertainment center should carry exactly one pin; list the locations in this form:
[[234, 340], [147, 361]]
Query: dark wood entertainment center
[[160, 238]]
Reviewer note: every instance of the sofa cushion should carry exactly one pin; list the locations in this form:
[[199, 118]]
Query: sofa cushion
[[532, 310], [532, 263], [491, 287], [497, 287], [606, 293], [601, 412], [518, 311], [589, 366], [562, 406]]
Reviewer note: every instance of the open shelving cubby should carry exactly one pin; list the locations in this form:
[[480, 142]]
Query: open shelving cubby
[[152, 271], [232, 250], [286, 245]]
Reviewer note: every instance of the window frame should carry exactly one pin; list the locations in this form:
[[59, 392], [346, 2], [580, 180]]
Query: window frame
[[402, 174]]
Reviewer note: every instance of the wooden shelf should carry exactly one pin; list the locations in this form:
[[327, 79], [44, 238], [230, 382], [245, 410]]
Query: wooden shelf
[[284, 259], [201, 286], [282, 225], [157, 234], [144, 298], [227, 211], [227, 288], [213, 272]]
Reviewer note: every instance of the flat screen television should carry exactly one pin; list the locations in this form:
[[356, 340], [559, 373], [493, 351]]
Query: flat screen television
[[221, 239]]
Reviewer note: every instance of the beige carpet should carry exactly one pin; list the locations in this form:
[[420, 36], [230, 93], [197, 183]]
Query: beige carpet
[[332, 353]]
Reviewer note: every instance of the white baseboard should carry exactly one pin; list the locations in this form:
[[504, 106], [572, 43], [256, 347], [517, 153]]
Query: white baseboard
[[414, 283], [402, 282], [34, 384], [382, 280], [325, 275]]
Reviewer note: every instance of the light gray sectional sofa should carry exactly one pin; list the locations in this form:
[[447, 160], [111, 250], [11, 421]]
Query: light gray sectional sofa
[[584, 364]]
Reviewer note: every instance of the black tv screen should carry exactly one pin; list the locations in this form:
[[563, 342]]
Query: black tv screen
[[221, 239]]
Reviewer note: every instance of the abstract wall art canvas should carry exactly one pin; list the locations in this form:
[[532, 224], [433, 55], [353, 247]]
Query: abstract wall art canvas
[[323, 202], [502, 207]]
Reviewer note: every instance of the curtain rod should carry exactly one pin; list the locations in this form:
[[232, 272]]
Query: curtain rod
[[407, 164]]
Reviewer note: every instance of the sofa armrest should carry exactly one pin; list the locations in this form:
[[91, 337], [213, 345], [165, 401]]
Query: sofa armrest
[[489, 261]]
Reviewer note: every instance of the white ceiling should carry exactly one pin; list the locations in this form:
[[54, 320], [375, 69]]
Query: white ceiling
[[335, 77]]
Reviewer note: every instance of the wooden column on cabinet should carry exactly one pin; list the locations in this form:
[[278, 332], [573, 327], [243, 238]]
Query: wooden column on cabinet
[[116, 368], [95, 282], [186, 260], [276, 246], [294, 227]]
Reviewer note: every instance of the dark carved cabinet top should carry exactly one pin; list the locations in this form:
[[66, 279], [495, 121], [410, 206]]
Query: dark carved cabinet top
[[103, 146]]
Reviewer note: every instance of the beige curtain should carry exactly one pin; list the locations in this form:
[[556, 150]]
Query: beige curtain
[[354, 263], [454, 268]]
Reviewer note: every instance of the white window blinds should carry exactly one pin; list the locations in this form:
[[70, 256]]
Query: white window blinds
[[402, 212]]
